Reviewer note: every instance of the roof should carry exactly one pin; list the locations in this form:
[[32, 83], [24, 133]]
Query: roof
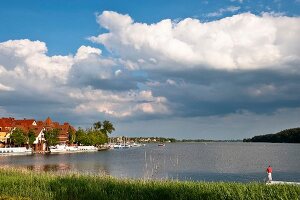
[[24, 122], [36, 126], [37, 130], [48, 121], [6, 122]]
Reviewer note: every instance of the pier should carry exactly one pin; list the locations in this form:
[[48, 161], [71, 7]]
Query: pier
[[283, 182]]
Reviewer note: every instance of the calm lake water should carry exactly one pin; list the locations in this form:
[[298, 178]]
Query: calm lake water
[[240, 162]]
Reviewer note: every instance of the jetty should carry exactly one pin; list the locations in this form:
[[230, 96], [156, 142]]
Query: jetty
[[282, 182]]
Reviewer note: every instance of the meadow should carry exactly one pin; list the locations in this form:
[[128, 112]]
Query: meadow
[[25, 184]]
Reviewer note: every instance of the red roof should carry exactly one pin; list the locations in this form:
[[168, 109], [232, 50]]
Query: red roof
[[6, 122], [27, 124], [48, 121], [24, 122]]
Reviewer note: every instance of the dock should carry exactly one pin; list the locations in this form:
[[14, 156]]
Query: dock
[[283, 182]]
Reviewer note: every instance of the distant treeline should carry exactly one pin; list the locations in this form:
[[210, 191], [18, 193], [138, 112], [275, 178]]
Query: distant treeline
[[145, 139], [286, 136], [203, 140]]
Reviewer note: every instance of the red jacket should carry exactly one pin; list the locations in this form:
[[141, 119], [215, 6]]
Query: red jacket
[[269, 170]]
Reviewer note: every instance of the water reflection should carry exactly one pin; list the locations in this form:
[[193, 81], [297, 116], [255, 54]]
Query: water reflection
[[66, 167], [50, 168]]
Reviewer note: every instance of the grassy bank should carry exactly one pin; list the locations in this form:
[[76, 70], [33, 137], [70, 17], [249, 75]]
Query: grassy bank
[[16, 184]]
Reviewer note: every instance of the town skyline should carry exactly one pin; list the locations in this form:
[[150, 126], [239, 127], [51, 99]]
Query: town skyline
[[196, 69]]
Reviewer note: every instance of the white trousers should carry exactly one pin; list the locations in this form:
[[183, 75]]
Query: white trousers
[[269, 176]]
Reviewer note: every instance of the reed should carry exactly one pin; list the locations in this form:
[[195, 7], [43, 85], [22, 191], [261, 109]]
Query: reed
[[23, 184]]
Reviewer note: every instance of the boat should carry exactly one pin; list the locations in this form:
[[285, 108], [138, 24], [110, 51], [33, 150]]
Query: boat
[[117, 146], [123, 145], [69, 149], [136, 145], [15, 151], [87, 148], [161, 145], [126, 145], [58, 149]]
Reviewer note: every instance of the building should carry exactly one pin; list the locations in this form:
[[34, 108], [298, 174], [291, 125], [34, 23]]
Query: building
[[64, 129], [7, 125]]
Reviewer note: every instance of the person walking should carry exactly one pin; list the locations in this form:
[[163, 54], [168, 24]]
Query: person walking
[[269, 172]]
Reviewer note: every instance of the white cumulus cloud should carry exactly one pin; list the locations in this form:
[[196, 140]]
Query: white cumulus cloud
[[5, 88], [244, 41], [27, 71], [122, 104]]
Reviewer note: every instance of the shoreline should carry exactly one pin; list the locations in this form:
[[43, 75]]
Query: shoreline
[[48, 185]]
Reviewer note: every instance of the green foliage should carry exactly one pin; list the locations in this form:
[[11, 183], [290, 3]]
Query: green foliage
[[82, 137], [161, 139], [18, 137], [90, 137], [97, 125], [152, 139], [31, 137], [79, 135], [51, 137], [285, 136], [107, 127], [37, 185], [96, 135], [72, 136]]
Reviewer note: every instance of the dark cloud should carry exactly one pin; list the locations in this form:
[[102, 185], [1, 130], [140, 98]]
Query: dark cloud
[[212, 92]]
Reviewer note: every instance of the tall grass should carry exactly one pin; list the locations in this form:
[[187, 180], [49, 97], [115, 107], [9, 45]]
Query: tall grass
[[22, 184]]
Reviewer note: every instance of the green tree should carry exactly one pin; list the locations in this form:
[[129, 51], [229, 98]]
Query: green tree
[[286, 136], [98, 137], [107, 127], [31, 137], [18, 137], [80, 136], [72, 136], [101, 131], [51, 137], [97, 125], [91, 137]]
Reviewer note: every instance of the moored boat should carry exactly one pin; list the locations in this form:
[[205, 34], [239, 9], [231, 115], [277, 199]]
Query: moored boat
[[87, 148], [15, 151], [58, 149], [71, 149]]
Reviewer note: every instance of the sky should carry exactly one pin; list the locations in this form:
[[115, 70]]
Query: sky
[[186, 69]]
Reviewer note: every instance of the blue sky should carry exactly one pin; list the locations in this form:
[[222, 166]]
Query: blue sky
[[64, 25], [186, 69]]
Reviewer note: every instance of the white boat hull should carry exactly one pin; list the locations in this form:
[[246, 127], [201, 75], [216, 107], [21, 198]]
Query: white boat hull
[[72, 149], [15, 151]]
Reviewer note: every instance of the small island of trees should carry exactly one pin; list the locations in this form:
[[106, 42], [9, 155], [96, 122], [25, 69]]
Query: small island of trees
[[286, 136]]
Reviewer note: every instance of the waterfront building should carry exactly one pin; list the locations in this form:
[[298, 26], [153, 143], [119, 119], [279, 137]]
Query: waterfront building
[[7, 125]]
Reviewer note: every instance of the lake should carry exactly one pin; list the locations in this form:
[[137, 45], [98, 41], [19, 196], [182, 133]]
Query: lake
[[219, 161]]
